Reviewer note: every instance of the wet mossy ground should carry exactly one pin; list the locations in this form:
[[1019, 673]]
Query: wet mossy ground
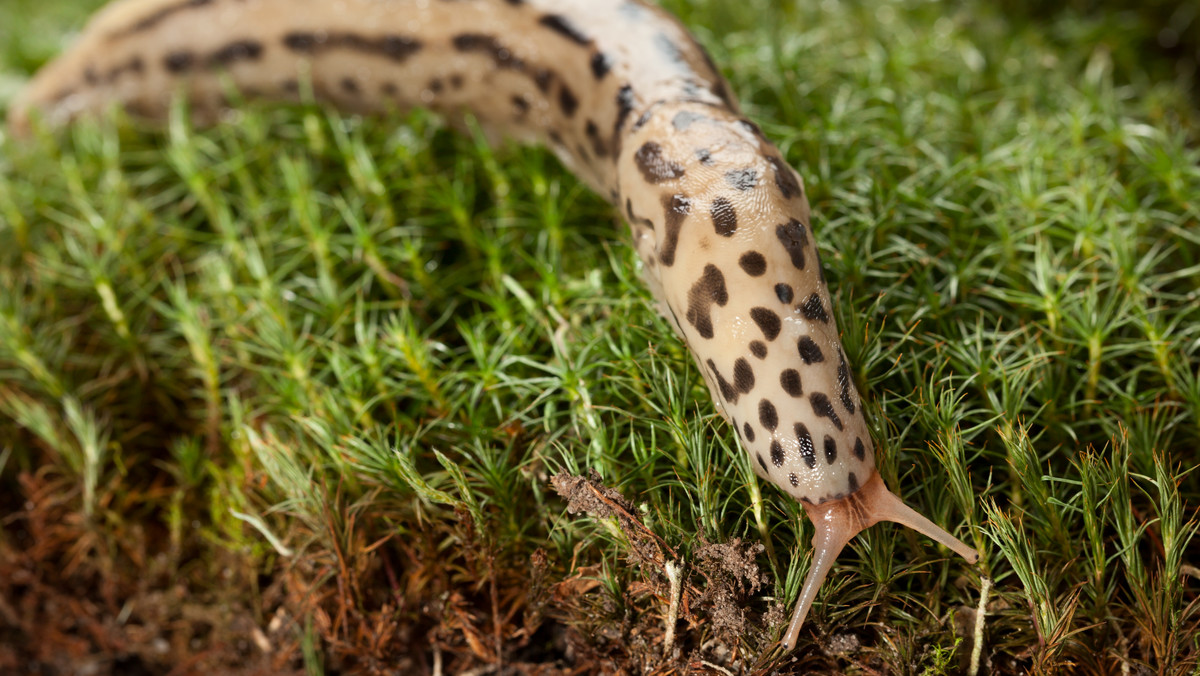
[[312, 393]]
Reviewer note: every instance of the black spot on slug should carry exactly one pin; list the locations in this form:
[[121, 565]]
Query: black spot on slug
[[561, 25], [705, 157], [789, 380], [776, 453], [793, 479], [349, 85], [758, 349], [843, 374], [794, 238], [789, 187], [643, 119], [568, 102], [824, 409], [830, 449], [724, 217], [750, 127], [625, 99], [807, 451], [392, 47], [488, 44], [179, 62], [767, 415], [761, 462], [860, 451], [753, 263], [814, 309], [721, 89], [520, 104], [634, 219], [654, 167], [853, 481], [240, 50], [741, 179], [810, 353], [743, 375], [303, 42], [728, 393], [707, 290], [677, 208], [748, 432], [600, 65], [784, 293], [768, 322]]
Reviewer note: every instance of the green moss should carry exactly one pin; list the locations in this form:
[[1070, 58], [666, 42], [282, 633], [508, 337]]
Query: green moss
[[366, 329]]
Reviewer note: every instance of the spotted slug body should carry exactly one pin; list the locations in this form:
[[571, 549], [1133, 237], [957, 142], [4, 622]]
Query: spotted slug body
[[631, 103]]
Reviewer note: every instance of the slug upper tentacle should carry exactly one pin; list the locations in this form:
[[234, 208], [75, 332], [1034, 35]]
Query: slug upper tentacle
[[631, 103]]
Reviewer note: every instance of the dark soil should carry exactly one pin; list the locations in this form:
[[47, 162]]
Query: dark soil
[[97, 597]]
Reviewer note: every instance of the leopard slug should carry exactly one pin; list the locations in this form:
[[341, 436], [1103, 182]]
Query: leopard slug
[[631, 103]]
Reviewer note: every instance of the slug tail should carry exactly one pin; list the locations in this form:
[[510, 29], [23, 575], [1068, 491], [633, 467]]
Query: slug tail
[[838, 521]]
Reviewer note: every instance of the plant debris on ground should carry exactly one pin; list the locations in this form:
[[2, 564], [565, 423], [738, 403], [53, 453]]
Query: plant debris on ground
[[313, 393]]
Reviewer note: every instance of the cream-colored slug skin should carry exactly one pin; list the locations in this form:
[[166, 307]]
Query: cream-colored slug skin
[[632, 104]]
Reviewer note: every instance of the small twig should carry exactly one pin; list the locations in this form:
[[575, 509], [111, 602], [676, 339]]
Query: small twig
[[673, 608], [497, 633], [718, 667], [632, 521], [980, 612]]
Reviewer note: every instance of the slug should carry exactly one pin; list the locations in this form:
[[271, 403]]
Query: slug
[[631, 103]]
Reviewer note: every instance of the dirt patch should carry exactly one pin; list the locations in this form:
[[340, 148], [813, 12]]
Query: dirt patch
[[114, 595], [75, 599], [734, 577], [590, 495], [687, 614]]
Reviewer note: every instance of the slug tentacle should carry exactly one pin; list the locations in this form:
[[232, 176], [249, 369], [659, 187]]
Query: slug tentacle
[[634, 106], [839, 521]]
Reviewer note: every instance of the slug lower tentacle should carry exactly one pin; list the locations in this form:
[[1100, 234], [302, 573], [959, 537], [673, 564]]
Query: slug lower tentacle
[[631, 103]]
